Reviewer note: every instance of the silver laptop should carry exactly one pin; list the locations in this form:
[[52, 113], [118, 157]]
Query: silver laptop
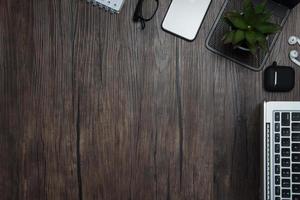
[[280, 151]]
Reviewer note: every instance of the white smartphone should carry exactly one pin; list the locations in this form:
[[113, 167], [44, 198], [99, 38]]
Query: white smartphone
[[184, 17]]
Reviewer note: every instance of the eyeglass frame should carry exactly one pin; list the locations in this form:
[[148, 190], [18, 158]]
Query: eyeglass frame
[[138, 16]]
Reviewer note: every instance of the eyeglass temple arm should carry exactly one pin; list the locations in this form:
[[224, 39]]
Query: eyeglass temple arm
[[136, 15], [157, 5]]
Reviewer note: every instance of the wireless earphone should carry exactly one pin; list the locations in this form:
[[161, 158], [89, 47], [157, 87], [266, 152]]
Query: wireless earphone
[[293, 56], [294, 40]]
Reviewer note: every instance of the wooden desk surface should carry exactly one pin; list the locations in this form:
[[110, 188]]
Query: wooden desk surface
[[92, 107]]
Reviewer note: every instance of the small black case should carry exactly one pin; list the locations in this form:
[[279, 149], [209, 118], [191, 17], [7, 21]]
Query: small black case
[[279, 78]]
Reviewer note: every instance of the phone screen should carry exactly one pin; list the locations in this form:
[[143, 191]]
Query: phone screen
[[185, 17]]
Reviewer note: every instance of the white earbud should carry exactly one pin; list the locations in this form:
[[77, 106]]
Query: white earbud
[[294, 40], [293, 56]]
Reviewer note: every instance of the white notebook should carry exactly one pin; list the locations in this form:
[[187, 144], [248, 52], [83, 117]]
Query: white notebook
[[113, 6]]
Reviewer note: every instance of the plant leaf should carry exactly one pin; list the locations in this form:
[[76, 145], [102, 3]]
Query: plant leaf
[[230, 14], [268, 28], [265, 16], [228, 37], [225, 36], [251, 37], [260, 8], [253, 49], [249, 12], [227, 21], [263, 44], [260, 36], [238, 22], [239, 35], [248, 5]]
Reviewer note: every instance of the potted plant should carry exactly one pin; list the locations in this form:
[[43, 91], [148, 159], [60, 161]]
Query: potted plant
[[250, 28]]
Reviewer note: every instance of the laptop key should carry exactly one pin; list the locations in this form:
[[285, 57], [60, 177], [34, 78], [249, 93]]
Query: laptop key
[[277, 148], [285, 152], [295, 117], [285, 131], [285, 172], [277, 169], [277, 116], [277, 137], [277, 127], [285, 182], [277, 159], [277, 190], [277, 180], [285, 142], [296, 157], [285, 119], [296, 147], [296, 197], [296, 188], [296, 168], [285, 162], [286, 193], [296, 178], [295, 137], [295, 126]]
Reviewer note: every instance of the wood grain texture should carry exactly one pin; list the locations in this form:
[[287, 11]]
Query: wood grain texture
[[92, 107], [37, 141], [129, 127]]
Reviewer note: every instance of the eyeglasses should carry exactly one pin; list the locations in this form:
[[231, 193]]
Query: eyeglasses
[[141, 17]]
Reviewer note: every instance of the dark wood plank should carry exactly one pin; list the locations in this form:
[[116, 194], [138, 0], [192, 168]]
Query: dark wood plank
[[128, 108], [37, 141], [196, 81]]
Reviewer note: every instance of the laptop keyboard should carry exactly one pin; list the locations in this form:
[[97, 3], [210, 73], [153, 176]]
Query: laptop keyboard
[[287, 155]]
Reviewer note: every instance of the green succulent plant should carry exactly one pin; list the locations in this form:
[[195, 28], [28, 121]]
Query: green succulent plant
[[250, 27]]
